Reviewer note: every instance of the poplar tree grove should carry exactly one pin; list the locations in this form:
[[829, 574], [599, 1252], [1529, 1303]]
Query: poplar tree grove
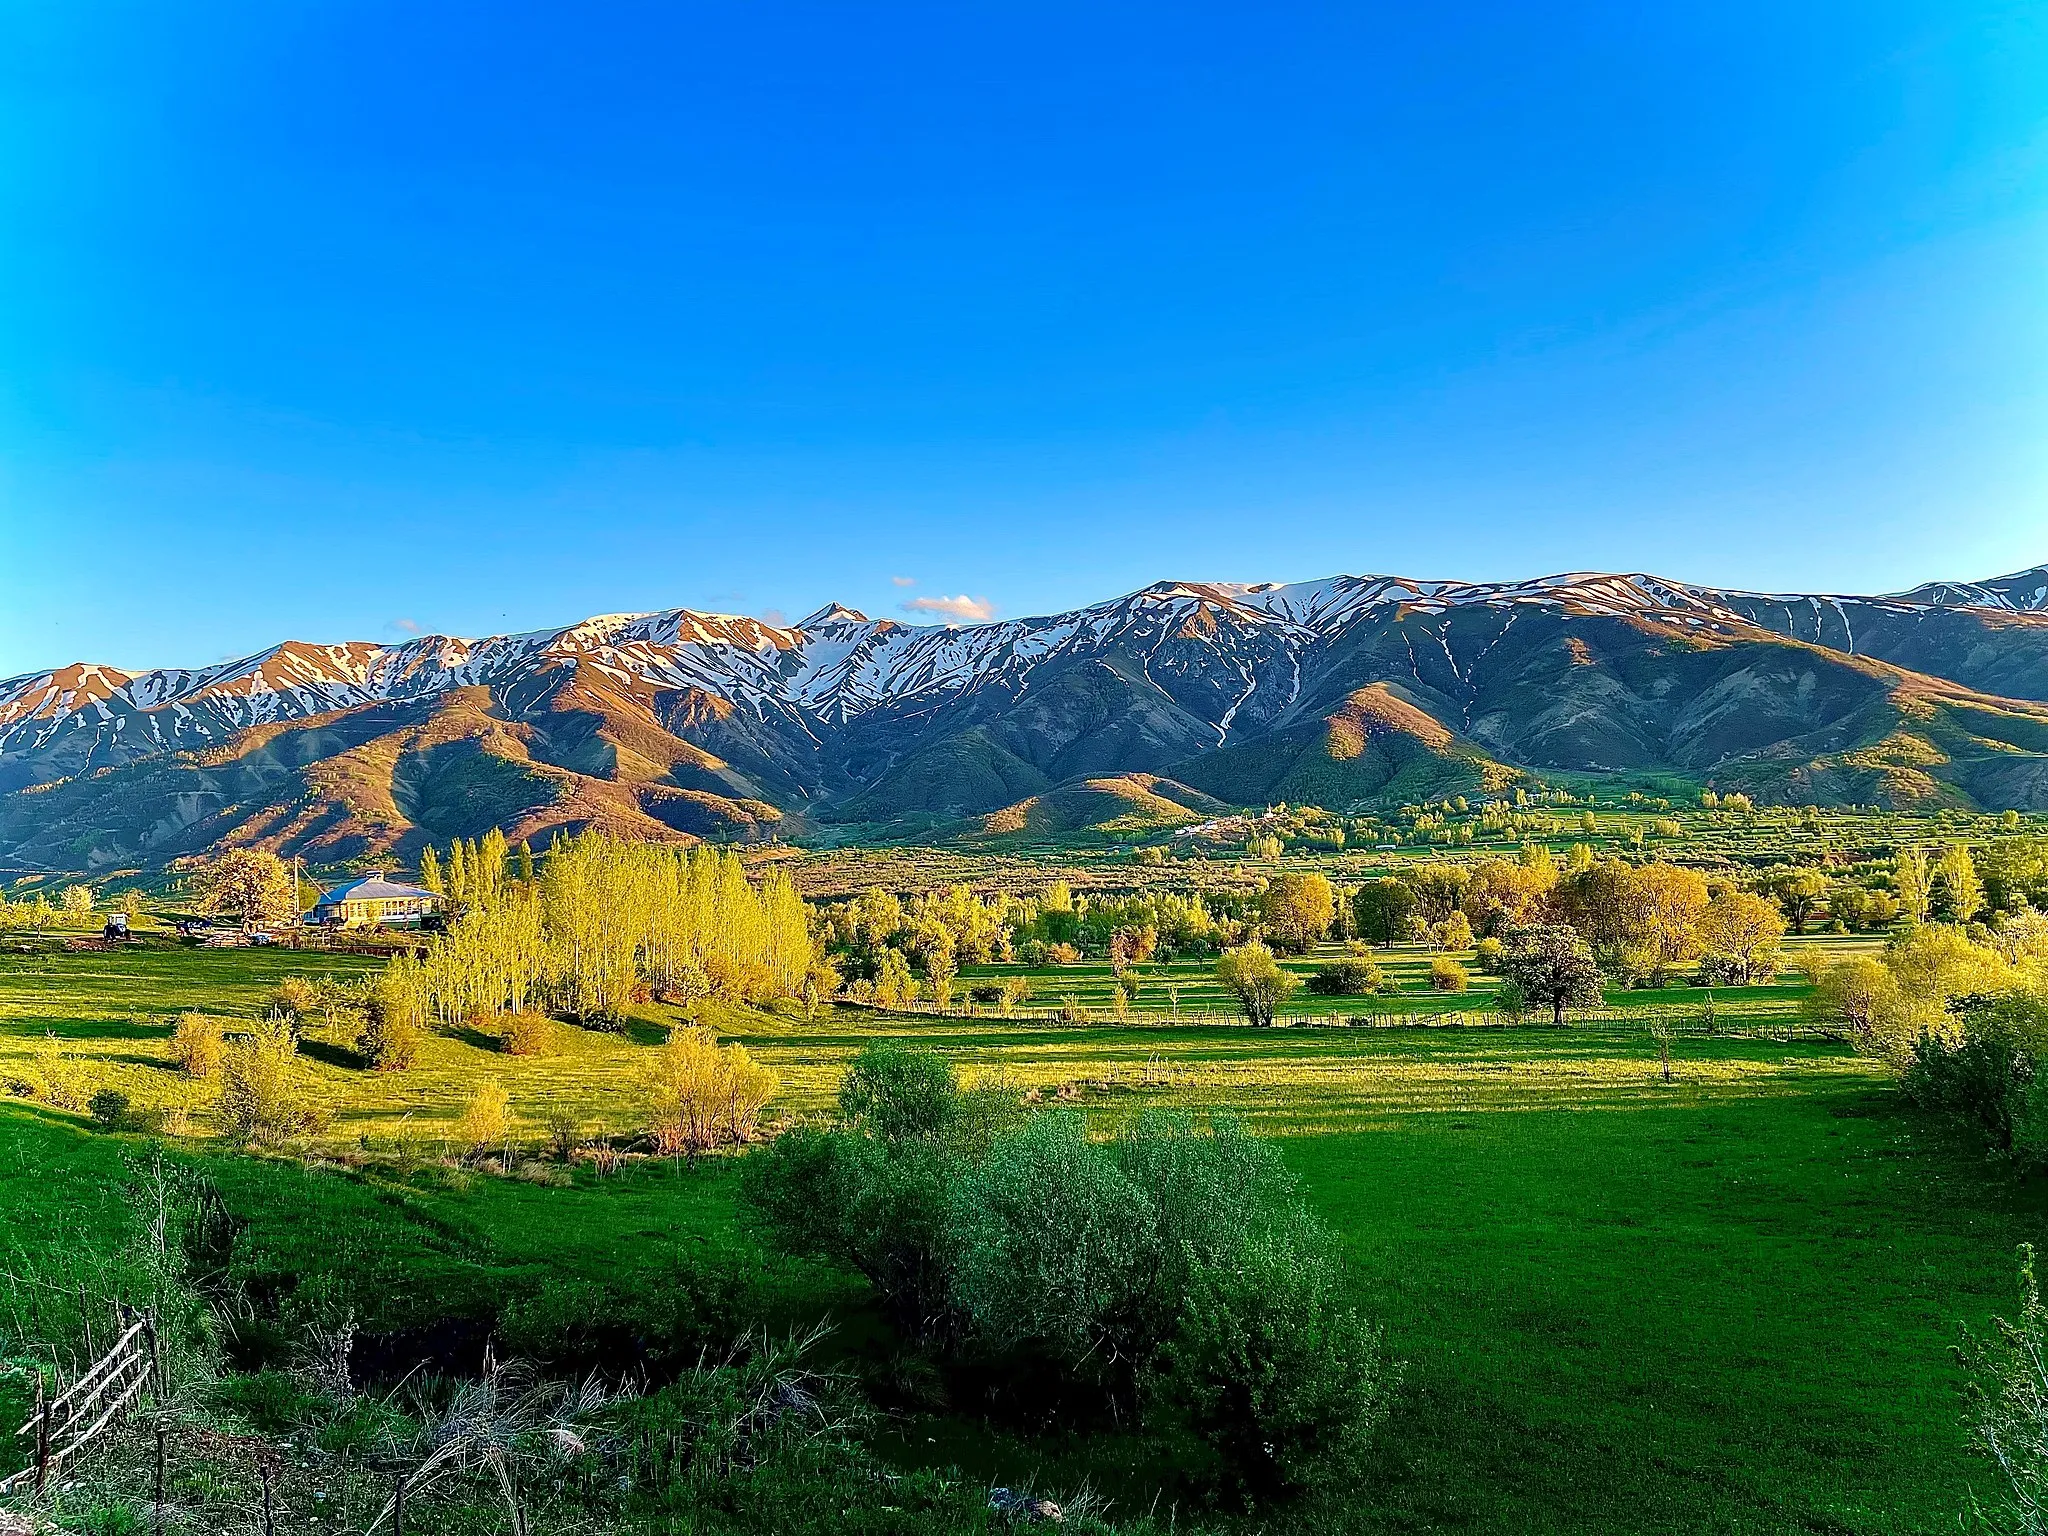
[[604, 922]]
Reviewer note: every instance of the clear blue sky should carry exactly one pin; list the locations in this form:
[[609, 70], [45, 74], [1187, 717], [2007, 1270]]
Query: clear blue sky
[[337, 320]]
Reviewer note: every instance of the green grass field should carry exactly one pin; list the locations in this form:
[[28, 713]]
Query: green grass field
[[112, 1013], [1718, 1303]]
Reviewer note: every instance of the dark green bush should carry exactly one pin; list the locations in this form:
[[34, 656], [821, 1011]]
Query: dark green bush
[[877, 1208], [1177, 1264], [1038, 1249], [1053, 1242], [1273, 1368], [1346, 978], [1986, 1068], [899, 1093]]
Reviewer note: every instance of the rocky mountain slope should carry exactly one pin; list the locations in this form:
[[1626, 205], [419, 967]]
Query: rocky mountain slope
[[1348, 690]]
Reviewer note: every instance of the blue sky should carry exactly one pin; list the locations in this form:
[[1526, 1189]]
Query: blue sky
[[341, 321]]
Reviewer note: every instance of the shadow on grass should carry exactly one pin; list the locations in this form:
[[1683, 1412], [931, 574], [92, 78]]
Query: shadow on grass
[[478, 1038], [94, 1029], [334, 1055]]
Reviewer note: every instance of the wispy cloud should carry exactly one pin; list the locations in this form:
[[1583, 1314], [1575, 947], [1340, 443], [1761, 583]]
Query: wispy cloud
[[774, 616], [973, 609], [406, 626], [903, 581]]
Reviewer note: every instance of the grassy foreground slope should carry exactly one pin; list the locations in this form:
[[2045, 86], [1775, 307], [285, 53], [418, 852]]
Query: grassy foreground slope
[[1721, 1303]]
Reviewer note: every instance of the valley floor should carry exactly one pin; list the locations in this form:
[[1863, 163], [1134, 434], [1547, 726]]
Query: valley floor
[[1719, 1303]]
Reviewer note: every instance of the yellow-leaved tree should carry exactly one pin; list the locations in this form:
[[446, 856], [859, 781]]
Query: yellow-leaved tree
[[700, 1094]]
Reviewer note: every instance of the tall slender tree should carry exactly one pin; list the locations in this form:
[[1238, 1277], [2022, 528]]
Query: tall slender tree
[[1910, 882]]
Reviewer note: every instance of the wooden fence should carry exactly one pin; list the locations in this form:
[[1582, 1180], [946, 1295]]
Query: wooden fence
[[63, 1425]]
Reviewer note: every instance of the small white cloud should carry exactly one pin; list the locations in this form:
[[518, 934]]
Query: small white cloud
[[974, 609], [774, 616], [406, 626], [903, 581]]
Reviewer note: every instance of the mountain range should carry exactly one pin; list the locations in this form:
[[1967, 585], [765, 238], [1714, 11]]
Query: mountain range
[[1163, 705]]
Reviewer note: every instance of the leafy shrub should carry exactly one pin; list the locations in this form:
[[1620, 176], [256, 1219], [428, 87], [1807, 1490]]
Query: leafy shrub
[[262, 1098], [1346, 978], [1854, 994], [1978, 1077], [486, 1118], [527, 1033], [56, 1078], [876, 1208], [109, 1107], [1486, 954], [1932, 967], [1446, 975], [197, 1044], [565, 1133], [392, 1034], [1631, 965], [294, 997], [873, 1193], [899, 1093], [1210, 1189], [1273, 1368], [1454, 932], [1721, 971], [1173, 1268], [1177, 1266], [2008, 1406], [700, 1094], [1987, 1068], [1052, 1246]]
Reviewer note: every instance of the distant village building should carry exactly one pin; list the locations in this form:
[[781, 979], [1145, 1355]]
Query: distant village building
[[375, 899]]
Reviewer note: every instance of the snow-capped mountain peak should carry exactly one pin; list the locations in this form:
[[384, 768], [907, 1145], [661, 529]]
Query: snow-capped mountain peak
[[838, 664]]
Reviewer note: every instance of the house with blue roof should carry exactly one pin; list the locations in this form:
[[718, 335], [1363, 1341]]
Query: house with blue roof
[[376, 899]]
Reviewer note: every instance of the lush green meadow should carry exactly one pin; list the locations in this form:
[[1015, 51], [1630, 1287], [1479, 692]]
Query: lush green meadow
[[111, 1015], [1717, 1302]]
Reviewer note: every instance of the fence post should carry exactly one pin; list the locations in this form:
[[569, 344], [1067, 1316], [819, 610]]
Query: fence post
[[161, 1435], [42, 1433], [263, 1466], [156, 1372], [398, 1504]]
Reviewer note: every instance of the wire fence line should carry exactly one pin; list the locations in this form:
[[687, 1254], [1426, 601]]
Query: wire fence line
[[1689, 1019]]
